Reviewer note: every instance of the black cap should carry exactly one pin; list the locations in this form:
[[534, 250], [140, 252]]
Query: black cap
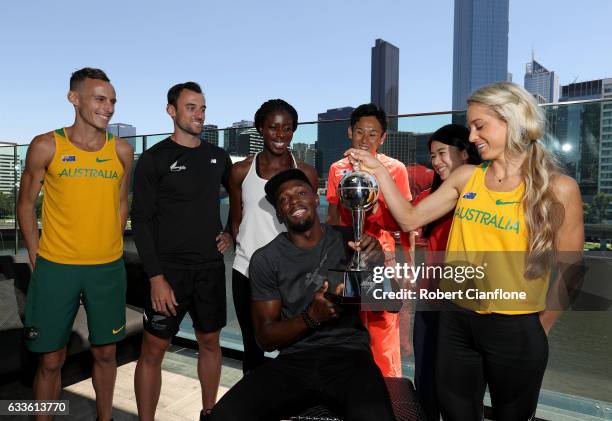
[[275, 182]]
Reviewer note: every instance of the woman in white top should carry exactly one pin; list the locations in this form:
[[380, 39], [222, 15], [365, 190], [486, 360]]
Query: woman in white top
[[254, 222]]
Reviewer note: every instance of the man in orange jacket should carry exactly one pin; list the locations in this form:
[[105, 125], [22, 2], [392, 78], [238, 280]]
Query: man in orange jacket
[[368, 131]]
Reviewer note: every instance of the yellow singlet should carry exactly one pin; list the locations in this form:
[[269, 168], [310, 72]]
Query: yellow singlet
[[80, 213], [489, 231]]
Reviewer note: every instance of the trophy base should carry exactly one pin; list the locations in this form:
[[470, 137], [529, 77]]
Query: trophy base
[[354, 281]]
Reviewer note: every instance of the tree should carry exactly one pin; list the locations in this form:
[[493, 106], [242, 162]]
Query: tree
[[600, 206], [7, 206], [589, 217], [38, 206]]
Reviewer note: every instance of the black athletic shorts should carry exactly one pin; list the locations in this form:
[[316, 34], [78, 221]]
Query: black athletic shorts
[[199, 292]]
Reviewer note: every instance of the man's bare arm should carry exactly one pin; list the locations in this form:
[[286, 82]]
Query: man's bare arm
[[39, 156], [272, 333], [237, 176], [570, 244]]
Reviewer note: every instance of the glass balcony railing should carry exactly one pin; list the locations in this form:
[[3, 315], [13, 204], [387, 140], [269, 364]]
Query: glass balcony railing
[[578, 379]]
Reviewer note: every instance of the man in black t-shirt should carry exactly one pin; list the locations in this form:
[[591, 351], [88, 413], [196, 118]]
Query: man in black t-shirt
[[178, 233], [325, 356]]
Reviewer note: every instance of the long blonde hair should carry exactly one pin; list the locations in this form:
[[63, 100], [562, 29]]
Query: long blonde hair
[[526, 126]]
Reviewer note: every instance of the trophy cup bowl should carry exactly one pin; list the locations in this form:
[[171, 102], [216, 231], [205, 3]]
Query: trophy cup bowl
[[358, 192]]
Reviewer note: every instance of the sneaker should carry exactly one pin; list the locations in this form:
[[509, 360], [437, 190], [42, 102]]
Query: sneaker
[[205, 415]]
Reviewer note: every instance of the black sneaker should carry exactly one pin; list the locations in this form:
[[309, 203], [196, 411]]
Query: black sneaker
[[205, 415]]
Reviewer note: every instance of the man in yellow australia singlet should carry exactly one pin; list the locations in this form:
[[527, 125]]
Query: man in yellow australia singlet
[[83, 171]]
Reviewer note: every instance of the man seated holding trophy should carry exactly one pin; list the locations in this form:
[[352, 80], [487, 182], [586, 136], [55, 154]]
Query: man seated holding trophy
[[325, 356]]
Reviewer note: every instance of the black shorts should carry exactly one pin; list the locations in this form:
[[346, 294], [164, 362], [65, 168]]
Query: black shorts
[[200, 292]]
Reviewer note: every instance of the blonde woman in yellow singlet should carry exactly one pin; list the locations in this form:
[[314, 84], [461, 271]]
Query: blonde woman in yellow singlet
[[520, 215]]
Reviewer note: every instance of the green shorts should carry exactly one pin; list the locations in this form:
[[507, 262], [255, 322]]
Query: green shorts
[[55, 293]]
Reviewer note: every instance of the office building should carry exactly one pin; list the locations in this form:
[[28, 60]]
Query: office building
[[126, 131], [332, 137], [385, 79], [210, 134], [407, 147], [231, 135], [480, 46], [306, 152], [542, 83], [122, 129], [605, 150], [10, 175], [249, 142], [589, 161]]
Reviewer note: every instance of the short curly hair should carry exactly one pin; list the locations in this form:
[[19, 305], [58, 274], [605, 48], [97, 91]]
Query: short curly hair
[[271, 106]]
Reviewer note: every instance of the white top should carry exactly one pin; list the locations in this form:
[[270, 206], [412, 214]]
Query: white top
[[259, 223]]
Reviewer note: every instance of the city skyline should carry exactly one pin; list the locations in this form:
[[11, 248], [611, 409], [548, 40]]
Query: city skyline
[[314, 70]]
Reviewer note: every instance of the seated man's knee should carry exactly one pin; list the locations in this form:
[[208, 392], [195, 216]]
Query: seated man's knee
[[229, 412], [219, 414]]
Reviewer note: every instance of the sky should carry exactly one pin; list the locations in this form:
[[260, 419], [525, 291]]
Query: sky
[[315, 54]]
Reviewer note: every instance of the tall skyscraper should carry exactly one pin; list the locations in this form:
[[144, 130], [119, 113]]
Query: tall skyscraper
[[542, 83], [332, 137], [210, 134], [385, 78], [480, 46]]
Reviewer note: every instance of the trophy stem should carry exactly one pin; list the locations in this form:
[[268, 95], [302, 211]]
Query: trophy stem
[[358, 224]]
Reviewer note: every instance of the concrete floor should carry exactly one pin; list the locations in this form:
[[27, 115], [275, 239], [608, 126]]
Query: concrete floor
[[180, 397]]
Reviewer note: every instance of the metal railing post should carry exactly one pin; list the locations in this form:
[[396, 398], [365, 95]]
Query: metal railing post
[[15, 192]]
